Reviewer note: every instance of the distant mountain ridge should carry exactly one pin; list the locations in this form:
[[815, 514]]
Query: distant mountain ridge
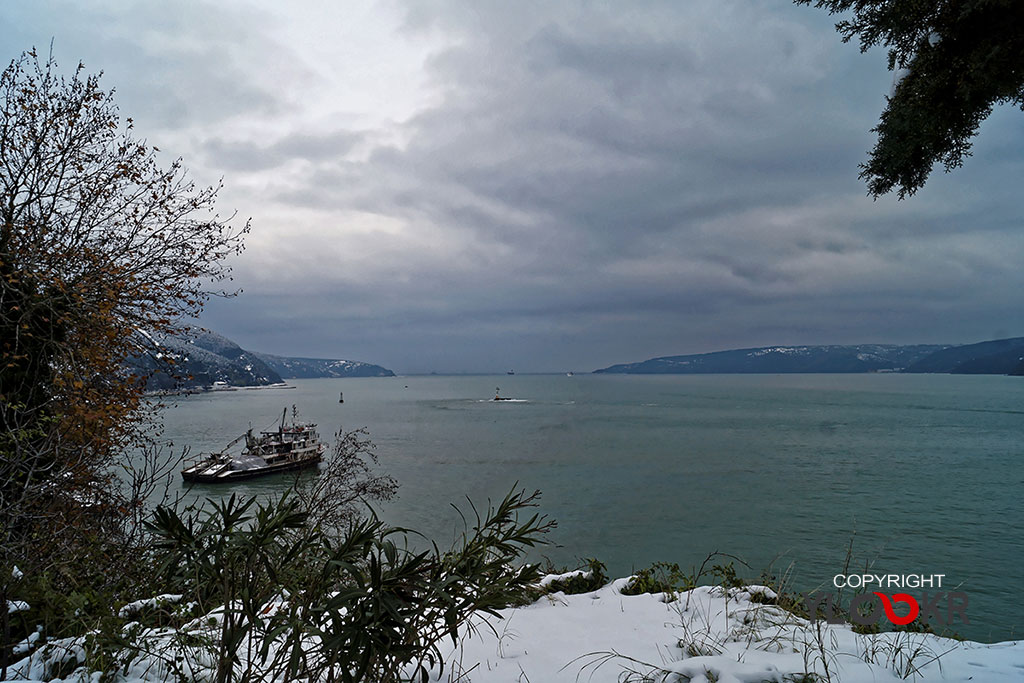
[[201, 358], [300, 368], [996, 357], [197, 359], [785, 359], [1000, 357]]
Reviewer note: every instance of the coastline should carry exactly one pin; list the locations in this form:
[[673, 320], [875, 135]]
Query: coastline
[[207, 389]]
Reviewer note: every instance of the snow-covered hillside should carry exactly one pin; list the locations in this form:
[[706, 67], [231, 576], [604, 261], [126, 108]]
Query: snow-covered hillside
[[201, 358], [701, 636], [298, 368]]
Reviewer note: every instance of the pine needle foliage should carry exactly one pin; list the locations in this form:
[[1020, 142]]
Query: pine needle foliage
[[957, 60]]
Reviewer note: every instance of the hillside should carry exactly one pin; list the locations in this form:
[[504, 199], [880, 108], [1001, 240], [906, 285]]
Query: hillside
[[299, 368], [996, 357], [199, 358], [785, 359]]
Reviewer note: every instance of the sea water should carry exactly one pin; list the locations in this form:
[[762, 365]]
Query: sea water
[[918, 474]]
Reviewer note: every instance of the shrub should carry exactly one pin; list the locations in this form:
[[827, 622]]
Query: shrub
[[660, 577], [593, 576], [292, 601]]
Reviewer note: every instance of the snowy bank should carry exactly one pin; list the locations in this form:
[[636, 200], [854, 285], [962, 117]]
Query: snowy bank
[[708, 634], [704, 635]]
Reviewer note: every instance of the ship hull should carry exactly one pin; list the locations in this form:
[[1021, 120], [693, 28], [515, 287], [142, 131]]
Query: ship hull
[[203, 475]]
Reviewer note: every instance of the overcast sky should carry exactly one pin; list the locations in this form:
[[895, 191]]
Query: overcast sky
[[546, 186]]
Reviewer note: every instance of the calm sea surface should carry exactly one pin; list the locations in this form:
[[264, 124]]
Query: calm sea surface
[[923, 473]]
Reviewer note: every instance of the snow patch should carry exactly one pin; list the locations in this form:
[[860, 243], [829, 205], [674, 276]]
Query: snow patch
[[17, 606], [158, 601]]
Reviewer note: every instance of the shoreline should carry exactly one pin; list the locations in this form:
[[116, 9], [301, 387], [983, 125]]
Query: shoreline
[[214, 390]]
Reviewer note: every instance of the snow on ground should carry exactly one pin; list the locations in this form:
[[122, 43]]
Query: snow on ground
[[158, 601], [704, 635], [17, 606]]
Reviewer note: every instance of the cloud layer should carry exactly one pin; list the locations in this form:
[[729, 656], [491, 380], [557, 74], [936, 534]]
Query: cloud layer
[[551, 186]]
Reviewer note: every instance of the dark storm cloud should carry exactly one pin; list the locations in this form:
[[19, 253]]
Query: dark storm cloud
[[588, 183], [708, 206], [606, 132], [725, 169]]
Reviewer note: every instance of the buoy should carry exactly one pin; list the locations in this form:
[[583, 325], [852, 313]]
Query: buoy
[[341, 397]]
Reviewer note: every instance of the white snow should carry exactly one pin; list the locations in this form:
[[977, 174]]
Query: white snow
[[551, 578], [17, 606], [158, 601], [779, 349], [27, 644], [707, 634], [148, 336]]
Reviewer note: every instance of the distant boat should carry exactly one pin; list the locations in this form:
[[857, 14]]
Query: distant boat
[[291, 447], [569, 374], [511, 372], [498, 396]]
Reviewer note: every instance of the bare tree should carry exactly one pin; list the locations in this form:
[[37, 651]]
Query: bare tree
[[347, 484]]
